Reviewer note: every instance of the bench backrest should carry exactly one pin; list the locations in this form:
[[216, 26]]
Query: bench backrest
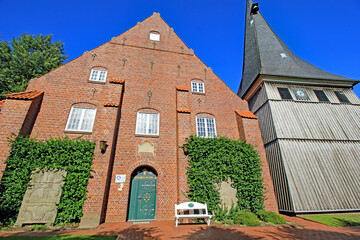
[[190, 208]]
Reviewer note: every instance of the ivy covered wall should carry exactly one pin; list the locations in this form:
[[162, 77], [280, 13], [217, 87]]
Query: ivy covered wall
[[74, 156], [213, 160]]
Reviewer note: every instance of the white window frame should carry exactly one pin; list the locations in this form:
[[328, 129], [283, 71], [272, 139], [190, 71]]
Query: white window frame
[[97, 76], [147, 124], [206, 129], [154, 36], [197, 84], [81, 119]]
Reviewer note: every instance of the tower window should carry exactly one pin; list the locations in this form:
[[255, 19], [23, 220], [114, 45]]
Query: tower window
[[321, 96], [285, 93], [155, 36], [342, 97]]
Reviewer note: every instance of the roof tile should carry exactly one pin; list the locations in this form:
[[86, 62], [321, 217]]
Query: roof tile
[[2, 104], [183, 111], [27, 95], [109, 104], [184, 89], [116, 81], [246, 114]]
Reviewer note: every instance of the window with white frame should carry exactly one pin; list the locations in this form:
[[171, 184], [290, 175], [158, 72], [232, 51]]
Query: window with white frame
[[147, 123], [98, 75], [81, 119], [154, 36], [205, 127], [197, 87]]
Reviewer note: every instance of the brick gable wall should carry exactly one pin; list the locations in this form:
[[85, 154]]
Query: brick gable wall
[[144, 67]]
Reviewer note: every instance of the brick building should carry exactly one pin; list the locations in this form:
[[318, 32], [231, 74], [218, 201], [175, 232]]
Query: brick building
[[144, 92]]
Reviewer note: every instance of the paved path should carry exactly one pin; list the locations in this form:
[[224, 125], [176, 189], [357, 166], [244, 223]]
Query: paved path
[[166, 230]]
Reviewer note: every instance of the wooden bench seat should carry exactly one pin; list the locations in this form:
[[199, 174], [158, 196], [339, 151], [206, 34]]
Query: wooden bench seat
[[191, 210]]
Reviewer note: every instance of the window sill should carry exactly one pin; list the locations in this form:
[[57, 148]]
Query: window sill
[[149, 136], [77, 132], [96, 82], [198, 93]]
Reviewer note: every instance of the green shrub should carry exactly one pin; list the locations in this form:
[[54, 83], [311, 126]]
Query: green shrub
[[272, 217], [246, 218]]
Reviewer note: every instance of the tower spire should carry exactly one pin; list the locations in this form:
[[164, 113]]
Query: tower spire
[[266, 54]]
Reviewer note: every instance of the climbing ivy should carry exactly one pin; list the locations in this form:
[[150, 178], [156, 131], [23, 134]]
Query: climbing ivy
[[212, 160], [27, 155]]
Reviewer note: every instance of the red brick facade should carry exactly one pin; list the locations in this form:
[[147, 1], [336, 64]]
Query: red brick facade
[[153, 76]]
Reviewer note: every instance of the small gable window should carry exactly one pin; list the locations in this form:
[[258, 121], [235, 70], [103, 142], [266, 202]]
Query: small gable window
[[197, 86], [98, 75], [285, 93], [342, 97], [81, 119], [155, 36], [147, 123], [205, 127], [320, 94]]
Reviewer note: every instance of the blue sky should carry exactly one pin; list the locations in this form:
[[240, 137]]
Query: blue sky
[[325, 33]]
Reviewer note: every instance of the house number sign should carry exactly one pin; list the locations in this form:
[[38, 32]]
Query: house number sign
[[120, 178]]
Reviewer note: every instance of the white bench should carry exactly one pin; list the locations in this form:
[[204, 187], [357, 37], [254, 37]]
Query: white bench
[[191, 210]]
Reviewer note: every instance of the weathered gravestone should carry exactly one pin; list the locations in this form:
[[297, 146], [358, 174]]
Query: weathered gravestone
[[227, 193], [41, 197]]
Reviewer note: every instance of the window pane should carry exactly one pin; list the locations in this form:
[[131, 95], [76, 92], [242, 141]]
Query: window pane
[[194, 86], [141, 123], [210, 127], [94, 75], [201, 131], [153, 124], [201, 87], [74, 119], [88, 120], [102, 76]]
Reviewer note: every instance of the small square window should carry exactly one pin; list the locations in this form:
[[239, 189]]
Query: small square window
[[155, 36], [81, 119], [320, 94], [205, 127], [147, 123], [98, 75], [285, 93], [342, 97], [197, 87]]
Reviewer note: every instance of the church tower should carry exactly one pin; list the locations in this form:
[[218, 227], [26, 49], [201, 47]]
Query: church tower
[[309, 120]]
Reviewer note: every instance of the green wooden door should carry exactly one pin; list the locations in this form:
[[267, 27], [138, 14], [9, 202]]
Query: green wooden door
[[143, 196]]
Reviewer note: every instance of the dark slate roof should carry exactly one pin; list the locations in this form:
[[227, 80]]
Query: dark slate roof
[[262, 55]]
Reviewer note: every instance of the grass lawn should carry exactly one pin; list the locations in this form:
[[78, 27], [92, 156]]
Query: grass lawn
[[336, 220], [56, 237]]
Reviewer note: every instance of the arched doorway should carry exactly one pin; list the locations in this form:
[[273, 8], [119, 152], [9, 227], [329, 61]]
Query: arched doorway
[[142, 201]]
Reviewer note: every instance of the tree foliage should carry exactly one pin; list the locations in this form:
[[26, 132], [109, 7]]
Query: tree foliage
[[213, 160], [74, 156], [27, 57]]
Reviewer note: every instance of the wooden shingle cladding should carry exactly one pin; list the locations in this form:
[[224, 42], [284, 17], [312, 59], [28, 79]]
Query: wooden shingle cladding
[[312, 147], [322, 175]]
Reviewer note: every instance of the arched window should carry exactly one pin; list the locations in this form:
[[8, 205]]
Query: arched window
[[98, 75], [147, 122], [81, 119], [205, 126], [197, 86], [154, 36]]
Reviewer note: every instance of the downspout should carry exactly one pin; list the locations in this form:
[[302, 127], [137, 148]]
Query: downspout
[[112, 158]]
